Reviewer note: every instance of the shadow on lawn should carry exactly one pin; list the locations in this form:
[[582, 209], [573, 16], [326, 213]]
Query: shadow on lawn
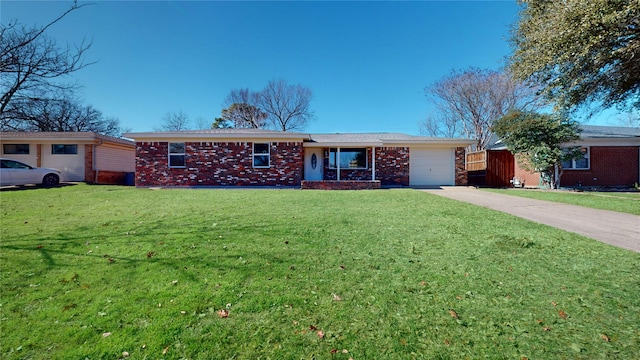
[[151, 245], [34, 187]]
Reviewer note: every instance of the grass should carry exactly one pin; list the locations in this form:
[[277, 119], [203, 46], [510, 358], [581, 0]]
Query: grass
[[627, 202], [92, 272]]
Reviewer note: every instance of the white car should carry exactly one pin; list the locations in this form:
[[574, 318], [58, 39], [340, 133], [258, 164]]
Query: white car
[[18, 173]]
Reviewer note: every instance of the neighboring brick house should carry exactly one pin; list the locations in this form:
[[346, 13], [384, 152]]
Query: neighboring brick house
[[611, 159], [80, 156], [256, 157]]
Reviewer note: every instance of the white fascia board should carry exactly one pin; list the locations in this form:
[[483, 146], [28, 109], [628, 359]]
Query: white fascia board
[[341, 144], [182, 137], [435, 142], [605, 142]]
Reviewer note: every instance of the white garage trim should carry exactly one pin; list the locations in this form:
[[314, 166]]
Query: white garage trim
[[431, 166]]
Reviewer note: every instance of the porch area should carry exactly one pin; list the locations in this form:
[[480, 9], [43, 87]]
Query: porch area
[[340, 184]]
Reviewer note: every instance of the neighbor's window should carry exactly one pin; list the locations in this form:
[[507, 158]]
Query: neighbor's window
[[60, 149], [15, 149], [261, 156], [352, 158], [176, 155], [579, 163]]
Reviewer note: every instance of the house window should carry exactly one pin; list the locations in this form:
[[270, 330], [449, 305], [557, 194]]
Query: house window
[[261, 155], [579, 163], [176, 155], [15, 149], [61, 149], [351, 158]]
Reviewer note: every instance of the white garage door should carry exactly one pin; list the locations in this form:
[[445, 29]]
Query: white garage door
[[429, 167]]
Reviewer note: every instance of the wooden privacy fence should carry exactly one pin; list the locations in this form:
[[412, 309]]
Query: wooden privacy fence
[[476, 160], [492, 168]]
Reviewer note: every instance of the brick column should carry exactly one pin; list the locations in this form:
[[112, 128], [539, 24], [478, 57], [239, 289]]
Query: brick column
[[89, 173], [461, 173]]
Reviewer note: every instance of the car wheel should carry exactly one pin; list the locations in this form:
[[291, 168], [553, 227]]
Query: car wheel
[[50, 180]]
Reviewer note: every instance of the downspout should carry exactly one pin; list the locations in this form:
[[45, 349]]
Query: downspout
[[93, 163], [373, 163], [338, 164], [93, 160]]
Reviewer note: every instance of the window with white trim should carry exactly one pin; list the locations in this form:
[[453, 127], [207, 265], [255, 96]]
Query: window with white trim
[[176, 155], [15, 149], [261, 155], [64, 149], [350, 158], [580, 163]]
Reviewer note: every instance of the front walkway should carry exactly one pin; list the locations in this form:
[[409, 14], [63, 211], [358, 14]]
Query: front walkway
[[618, 229]]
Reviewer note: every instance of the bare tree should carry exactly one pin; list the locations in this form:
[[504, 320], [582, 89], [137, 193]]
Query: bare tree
[[174, 121], [61, 113], [288, 106], [441, 126], [201, 123], [31, 65], [629, 118], [467, 103]]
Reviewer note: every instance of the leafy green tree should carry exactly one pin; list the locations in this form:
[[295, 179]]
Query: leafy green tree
[[580, 51], [243, 115], [539, 141], [220, 123]]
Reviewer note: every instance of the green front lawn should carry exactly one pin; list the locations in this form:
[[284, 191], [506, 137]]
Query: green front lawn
[[627, 202], [96, 271]]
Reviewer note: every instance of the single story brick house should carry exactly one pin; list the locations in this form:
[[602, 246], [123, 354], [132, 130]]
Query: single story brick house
[[80, 156], [611, 159], [258, 157]]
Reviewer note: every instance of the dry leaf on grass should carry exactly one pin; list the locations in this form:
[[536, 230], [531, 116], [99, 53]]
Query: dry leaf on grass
[[454, 314], [336, 297], [224, 313]]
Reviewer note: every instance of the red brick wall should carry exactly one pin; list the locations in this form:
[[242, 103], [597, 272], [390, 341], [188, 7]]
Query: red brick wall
[[462, 177], [89, 173], [528, 178], [392, 167], [219, 164], [609, 166], [111, 178]]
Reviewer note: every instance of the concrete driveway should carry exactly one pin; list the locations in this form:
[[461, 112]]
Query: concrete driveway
[[618, 229]]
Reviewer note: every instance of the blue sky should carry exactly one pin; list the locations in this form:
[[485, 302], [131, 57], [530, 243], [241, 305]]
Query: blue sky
[[367, 63]]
